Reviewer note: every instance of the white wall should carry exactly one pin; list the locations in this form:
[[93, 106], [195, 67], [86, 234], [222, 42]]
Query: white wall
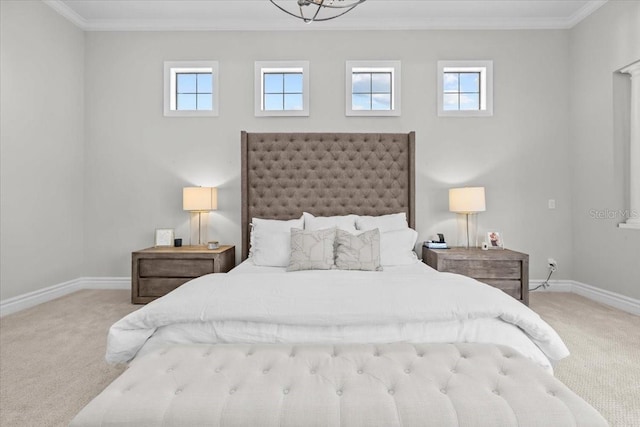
[[604, 255], [41, 143], [137, 161]]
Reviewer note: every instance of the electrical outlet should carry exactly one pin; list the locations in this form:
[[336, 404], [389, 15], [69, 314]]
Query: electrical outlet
[[553, 264]]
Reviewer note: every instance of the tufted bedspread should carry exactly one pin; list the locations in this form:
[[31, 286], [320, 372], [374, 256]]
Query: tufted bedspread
[[360, 385]]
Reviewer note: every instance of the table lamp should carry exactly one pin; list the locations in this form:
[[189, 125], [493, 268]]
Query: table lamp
[[199, 200], [467, 201]]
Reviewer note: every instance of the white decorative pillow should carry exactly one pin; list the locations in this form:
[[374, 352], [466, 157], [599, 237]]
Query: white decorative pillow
[[397, 247], [358, 252], [383, 223], [312, 250], [271, 241], [342, 222]]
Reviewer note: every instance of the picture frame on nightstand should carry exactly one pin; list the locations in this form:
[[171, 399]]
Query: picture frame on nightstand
[[494, 240], [164, 237]]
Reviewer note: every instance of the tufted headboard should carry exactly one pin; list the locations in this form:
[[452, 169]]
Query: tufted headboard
[[285, 174]]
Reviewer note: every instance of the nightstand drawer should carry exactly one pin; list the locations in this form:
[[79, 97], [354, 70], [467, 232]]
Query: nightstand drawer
[[175, 267], [159, 270], [511, 287], [480, 269], [504, 269], [158, 287]]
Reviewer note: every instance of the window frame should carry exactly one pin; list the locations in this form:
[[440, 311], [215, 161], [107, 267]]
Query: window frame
[[485, 68], [393, 67], [172, 69], [284, 67]]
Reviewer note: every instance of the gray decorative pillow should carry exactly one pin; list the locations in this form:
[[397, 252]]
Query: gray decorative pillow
[[358, 252], [312, 250]]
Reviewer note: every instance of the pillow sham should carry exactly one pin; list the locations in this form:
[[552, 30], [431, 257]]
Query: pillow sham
[[312, 250], [358, 252], [343, 222], [271, 241], [383, 223], [398, 247]]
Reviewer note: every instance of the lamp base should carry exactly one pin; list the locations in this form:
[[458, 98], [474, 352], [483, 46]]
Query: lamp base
[[198, 227], [468, 230]]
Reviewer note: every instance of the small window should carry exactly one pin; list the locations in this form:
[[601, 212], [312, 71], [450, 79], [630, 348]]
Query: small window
[[373, 88], [465, 88], [191, 88], [282, 88]]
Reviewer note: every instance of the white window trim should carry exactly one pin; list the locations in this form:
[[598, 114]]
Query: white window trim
[[485, 68], [374, 66], [633, 220], [262, 67], [171, 68]]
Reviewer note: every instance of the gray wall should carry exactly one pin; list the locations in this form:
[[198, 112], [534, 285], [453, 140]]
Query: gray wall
[[41, 144], [90, 168], [137, 161], [604, 255]]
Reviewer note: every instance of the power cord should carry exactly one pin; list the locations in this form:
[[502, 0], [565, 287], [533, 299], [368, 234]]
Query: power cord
[[545, 284]]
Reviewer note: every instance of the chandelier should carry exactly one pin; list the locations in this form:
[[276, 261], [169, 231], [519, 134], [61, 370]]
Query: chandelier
[[316, 10]]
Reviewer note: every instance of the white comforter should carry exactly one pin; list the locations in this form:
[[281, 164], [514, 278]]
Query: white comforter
[[336, 306]]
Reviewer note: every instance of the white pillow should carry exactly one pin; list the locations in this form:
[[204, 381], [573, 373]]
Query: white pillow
[[358, 252], [271, 241], [383, 223], [312, 250], [342, 222], [397, 247]]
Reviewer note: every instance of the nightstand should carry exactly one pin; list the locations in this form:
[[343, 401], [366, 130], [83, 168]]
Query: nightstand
[[504, 269], [157, 271]]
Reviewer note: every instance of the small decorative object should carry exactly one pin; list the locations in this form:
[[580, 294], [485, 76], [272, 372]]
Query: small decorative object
[[177, 243], [164, 237], [494, 240], [213, 245], [485, 246]]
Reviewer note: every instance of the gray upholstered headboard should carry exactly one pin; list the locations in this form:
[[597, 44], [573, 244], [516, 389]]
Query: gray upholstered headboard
[[285, 174]]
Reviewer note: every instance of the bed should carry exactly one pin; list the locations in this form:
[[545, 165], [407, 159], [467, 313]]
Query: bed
[[331, 319]]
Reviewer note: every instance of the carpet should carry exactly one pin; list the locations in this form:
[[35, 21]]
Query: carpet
[[52, 355]]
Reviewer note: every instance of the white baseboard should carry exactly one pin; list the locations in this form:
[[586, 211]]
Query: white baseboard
[[24, 301], [21, 302], [612, 299]]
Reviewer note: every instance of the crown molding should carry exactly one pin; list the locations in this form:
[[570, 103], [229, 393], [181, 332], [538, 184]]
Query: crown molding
[[585, 11], [64, 10], [344, 24]]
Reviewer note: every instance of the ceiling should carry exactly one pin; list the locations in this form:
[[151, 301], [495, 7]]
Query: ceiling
[[224, 15]]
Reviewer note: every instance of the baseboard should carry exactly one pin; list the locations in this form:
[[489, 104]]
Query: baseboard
[[612, 299], [621, 302], [22, 302]]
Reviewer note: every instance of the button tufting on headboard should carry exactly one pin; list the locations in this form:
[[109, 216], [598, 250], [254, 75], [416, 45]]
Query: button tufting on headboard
[[284, 174]]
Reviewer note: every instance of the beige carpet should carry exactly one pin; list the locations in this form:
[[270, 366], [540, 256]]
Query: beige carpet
[[604, 366], [52, 356]]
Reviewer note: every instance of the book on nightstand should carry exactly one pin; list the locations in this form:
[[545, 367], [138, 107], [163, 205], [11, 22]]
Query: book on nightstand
[[436, 245]]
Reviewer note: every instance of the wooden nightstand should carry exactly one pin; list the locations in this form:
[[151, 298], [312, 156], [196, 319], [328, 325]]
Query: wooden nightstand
[[505, 269], [157, 271]]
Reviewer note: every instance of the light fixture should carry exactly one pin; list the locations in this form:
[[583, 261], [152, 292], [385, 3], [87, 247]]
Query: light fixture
[[199, 200], [467, 201], [316, 10]]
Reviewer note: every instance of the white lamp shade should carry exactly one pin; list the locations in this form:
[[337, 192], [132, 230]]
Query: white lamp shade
[[467, 200], [199, 199]]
